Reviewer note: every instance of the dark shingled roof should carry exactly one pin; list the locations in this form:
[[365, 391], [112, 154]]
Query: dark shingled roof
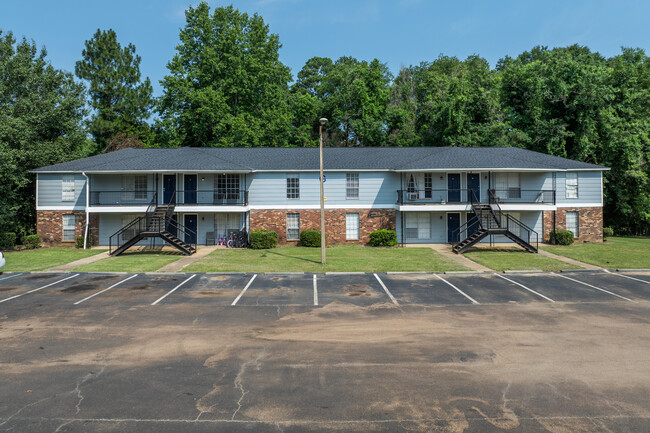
[[249, 159]]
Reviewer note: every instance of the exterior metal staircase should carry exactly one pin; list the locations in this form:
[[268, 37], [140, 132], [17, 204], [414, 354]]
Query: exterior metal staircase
[[487, 219], [157, 223]]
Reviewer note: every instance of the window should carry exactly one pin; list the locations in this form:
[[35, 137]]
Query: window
[[293, 226], [428, 185], [352, 186], [418, 225], [571, 185], [126, 220], [351, 226], [226, 223], [226, 187], [412, 189], [67, 187], [68, 228], [293, 187], [572, 223], [140, 186], [507, 186]]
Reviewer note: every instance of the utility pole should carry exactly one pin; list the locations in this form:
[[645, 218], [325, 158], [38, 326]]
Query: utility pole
[[323, 122]]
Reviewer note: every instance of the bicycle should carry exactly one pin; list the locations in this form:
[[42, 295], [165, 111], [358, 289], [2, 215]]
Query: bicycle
[[238, 239]]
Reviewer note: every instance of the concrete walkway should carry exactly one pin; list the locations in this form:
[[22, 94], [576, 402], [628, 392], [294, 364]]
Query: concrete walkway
[[445, 250], [180, 264], [570, 261], [84, 261]]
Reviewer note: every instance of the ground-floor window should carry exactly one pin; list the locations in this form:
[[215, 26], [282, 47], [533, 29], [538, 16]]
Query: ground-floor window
[[351, 226], [418, 225], [68, 228], [293, 226], [226, 223], [126, 220], [572, 223]]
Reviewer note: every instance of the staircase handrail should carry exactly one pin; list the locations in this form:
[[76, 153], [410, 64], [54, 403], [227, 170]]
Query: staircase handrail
[[463, 228], [115, 238], [152, 207], [494, 202], [510, 220], [180, 228], [170, 209]]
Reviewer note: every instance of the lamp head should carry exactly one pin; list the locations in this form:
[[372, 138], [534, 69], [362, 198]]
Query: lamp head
[[323, 121]]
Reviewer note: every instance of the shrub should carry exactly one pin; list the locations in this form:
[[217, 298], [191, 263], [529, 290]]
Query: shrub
[[80, 241], [7, 241], [607, 232], [32, 241], [310, 238], [263, 239], [562, 237], [383, 238]]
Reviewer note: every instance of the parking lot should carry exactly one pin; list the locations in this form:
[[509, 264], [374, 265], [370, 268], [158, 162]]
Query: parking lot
[[388, 352], [302, 290]]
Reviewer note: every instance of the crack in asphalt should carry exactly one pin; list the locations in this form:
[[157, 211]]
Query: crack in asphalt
[[83, 380], [238, 379], [21, 409]]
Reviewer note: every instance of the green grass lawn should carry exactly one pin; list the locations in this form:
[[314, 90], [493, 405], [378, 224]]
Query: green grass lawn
[[44, 258], [617, 252], [511, 259], [339, 259], [136, 261]]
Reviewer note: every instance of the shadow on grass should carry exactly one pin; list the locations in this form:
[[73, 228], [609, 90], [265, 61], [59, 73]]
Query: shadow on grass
[[498, 250], [292, 257], [151, 252]]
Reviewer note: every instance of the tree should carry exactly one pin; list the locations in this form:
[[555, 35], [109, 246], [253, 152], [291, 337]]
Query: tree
[[41, 113], [226, 85], [122, 102]]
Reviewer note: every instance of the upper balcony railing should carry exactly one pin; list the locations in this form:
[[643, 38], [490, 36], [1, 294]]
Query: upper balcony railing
[[463, 196], [189, 198]]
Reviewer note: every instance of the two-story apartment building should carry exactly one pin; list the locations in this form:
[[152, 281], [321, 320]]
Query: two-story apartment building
[[426, 194]]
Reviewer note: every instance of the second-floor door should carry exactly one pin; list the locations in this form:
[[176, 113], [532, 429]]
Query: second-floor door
[[189, 186], [169, 187], [453, 187], [474, 186]]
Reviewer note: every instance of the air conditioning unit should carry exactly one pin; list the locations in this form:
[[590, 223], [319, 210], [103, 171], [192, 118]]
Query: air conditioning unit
[[411, 195]]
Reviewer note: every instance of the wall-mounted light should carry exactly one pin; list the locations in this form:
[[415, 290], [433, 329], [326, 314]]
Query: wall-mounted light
[[441, 177], [202, 178], [440, 216], [484, 177]]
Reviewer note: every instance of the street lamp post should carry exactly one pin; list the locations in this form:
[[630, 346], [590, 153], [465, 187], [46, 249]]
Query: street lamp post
[[322, 121]]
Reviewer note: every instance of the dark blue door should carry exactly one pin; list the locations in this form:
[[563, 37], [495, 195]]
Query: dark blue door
[[190, 228], [453, 223], [190, 188], [453, 187], [169, 187], [474, 186]]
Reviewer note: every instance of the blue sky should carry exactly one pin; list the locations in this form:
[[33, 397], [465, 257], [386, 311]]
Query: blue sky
[[398, 33]]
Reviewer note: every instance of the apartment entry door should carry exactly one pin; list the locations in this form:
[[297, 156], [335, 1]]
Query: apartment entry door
[[474, 186], [189, 187], [169, 187], [453, 187], [453, 223], [190, 223]]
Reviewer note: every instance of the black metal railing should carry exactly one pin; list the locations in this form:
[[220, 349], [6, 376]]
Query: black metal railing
[[521, 230], [188, 236], [148, 225], [121, 198], [181, 197], [212, 197], [126, 233], [464, 195], [518, 195]]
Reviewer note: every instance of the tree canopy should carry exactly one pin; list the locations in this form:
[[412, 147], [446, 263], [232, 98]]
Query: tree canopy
[[121, 101]]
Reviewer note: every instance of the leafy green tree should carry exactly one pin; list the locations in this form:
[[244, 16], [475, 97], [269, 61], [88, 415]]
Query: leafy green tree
[[226, 85], [121, 101], [41, 113]]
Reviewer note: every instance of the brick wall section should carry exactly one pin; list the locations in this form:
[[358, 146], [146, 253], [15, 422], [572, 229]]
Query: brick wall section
[[369, 221], [590, 223], [49, 224]]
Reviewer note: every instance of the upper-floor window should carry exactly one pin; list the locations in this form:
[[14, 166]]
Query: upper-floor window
[[226, 186], [571, 185], [508, 185], [134, 186], [352, 186], [428, 185], [67, 187], [293, 186]]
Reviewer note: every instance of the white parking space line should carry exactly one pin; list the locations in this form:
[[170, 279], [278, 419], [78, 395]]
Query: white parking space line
[[105, 290], [172, 290], [390, 295], [627, 276], [457, 289], [11, 276], [593, 287], [244, 291], [524, 287], [315, 291], [40, 288]]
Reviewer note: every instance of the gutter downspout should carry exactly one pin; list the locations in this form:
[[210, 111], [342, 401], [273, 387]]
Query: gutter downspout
[[87, 211]]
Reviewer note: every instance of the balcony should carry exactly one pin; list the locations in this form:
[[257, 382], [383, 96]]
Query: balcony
[[463, 196], [191, 198]]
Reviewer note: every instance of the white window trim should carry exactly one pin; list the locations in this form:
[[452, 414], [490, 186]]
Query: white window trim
[[67, 187], [297, 218], [573, 195], [576, 234], [68, 228], [348, 188], [292, 176]]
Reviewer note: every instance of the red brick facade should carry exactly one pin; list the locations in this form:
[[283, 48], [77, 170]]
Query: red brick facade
[[369, 221], [590, 223], [49, 224]]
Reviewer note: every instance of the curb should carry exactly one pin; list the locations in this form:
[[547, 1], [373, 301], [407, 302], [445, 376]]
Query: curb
[[284, 273], [347, 273], [588, 271], [524, 271], [406, 273], [465, 272], [632, 270]]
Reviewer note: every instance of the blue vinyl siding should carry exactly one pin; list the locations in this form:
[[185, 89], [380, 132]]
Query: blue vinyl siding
[[589, 188], [50, 190], [375, 188]]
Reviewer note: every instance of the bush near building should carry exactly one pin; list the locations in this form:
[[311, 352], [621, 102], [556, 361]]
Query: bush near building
[[263, 239]]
